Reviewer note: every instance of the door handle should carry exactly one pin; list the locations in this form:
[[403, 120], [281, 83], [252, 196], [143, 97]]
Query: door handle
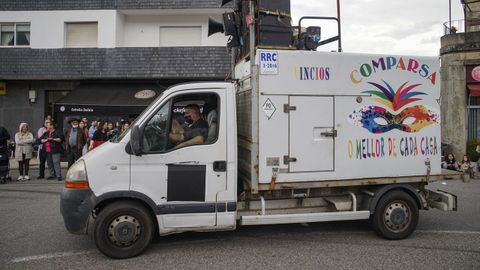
[[288, 159], [332, 133], [220, 166]]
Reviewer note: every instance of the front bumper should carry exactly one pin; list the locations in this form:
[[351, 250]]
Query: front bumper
[[76, 206]]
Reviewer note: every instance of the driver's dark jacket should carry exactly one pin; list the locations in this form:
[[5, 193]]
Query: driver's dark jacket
[[198, 128]]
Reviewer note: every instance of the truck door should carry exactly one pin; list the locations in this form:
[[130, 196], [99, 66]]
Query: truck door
[[312, 134], [184, 175]]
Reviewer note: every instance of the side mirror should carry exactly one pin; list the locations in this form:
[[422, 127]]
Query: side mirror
[[136, 141]]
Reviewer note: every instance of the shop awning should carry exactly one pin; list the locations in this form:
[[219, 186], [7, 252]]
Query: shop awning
[[474, 89], [110, 95]]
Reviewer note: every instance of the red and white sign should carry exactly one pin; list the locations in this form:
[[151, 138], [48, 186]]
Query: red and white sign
[[472, 73], [476, 73]]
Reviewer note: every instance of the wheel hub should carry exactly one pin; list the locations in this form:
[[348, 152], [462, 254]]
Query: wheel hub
[[124, 230], [397, 216]]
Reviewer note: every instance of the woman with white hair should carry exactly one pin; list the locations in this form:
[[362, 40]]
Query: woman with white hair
[[23, 150]]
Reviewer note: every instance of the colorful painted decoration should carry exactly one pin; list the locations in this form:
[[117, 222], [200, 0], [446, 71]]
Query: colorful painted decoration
[[394, 99], [379, 120]]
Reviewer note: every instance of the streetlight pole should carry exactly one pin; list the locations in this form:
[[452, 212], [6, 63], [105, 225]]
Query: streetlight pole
[[449, 16]]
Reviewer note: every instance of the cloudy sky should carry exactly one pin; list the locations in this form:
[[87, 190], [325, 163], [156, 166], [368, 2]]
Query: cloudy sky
[[382, 26]]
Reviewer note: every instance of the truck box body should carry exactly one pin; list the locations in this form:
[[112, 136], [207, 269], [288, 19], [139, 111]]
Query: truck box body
[[338, 116]]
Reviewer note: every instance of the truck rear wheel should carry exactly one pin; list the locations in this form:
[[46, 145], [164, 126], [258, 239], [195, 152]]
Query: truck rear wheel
[[123, 229], [396, 215]]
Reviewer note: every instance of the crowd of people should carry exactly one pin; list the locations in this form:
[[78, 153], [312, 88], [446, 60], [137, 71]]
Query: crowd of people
[[81, 136], [50, 143]]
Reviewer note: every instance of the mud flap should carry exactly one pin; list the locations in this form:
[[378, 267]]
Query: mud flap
[[442, 200]]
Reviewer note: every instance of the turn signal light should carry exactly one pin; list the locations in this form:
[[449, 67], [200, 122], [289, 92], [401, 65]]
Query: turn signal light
[[77, 184]]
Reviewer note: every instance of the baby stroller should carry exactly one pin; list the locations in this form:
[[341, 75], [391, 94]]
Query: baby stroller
[[4, 164]]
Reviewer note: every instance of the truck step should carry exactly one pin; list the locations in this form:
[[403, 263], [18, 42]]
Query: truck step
[[442, 200], [306, 217]]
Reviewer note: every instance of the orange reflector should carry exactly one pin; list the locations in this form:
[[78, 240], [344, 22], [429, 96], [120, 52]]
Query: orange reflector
[[77, 184]]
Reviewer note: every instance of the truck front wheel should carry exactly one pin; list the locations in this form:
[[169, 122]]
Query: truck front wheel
[[396, 215], [123, 229]]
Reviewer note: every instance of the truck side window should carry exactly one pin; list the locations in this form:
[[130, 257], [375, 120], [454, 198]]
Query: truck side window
[[194, 120], [155, 133]]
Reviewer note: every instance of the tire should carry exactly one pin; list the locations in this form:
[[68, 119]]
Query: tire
[[396, 215], [123, 229]]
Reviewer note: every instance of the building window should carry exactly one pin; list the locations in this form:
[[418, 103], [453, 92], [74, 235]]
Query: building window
[[14, 34], [81, 35], [473, 117], [171, 36]]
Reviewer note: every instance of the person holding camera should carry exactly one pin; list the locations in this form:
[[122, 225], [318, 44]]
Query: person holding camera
[[41, 154]]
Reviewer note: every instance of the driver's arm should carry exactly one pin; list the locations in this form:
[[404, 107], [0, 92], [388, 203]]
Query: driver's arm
[[193, 141], [176, 133]]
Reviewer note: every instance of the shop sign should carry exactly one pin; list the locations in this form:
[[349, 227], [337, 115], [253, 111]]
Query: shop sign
[[473, 73], [76, 109], [476, 73], [145, 94]]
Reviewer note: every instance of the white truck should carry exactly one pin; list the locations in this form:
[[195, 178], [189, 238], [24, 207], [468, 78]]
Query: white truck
[[300, 136]]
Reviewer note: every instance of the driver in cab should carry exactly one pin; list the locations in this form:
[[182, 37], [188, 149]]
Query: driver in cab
[[193, 131]]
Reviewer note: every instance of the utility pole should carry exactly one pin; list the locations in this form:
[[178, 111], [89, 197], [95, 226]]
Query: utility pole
[[340, 27]]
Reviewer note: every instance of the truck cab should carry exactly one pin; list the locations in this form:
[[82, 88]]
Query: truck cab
[[187, 186]]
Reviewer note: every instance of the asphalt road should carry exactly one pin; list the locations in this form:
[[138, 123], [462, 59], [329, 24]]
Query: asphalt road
[[32, 236]]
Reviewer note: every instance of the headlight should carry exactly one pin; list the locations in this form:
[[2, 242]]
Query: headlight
[[77, 176]]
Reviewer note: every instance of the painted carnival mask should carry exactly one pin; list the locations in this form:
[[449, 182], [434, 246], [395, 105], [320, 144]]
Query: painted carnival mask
[[379, 120]]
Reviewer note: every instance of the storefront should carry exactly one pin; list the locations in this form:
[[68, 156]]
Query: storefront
[[108, 102], [473, 90]]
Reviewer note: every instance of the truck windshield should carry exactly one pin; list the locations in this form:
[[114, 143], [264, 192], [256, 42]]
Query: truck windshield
[[119, 136]]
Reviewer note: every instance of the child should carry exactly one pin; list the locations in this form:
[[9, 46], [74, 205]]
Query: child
[[450, 163], [466, 166]]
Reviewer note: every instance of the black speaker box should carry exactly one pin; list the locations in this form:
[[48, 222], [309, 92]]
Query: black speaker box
[[273, 30], [275, 5]]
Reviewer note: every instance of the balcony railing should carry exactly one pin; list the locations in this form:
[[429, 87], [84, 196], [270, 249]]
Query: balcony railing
[[452, 27]]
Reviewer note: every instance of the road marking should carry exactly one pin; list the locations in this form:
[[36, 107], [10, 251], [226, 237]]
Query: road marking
[[31, 191], [76, 253], [449, 232], [51, 256]]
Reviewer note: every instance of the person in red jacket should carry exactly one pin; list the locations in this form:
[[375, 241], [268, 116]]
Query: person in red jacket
[[52, 145]]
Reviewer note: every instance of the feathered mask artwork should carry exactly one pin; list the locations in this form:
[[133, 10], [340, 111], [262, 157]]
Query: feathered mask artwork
[[377, 119]]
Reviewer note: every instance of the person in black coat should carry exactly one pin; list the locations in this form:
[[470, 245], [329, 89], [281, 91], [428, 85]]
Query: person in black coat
[[4, 137], [75, 139]]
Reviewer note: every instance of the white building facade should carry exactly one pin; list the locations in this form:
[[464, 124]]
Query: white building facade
[[117, 28]]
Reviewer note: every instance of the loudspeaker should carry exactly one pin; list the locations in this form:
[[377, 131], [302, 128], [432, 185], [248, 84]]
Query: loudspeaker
[[231, 22], [214, 27]]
